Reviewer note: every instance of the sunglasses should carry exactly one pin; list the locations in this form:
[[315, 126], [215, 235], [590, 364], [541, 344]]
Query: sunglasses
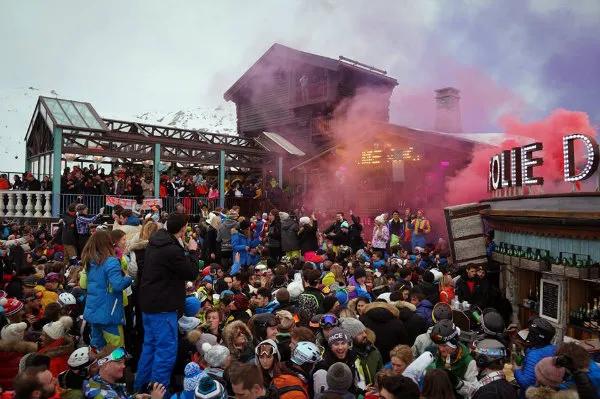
[[328, 320]]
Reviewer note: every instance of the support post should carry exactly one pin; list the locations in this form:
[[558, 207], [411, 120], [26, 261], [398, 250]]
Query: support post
[[56, 168], [280, 171], [27, 164], [222, 179], [156, 167]]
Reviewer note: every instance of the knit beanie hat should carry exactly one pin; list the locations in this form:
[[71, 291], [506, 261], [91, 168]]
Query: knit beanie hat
[[198, 338], [286, 320], [304, 220], [548, 374], [215, 355], [339, 377], [14, 332], [337, 334], [209, 388], [352, 326], [12, 306], [328, 303], [295, 288], [58, 329], [192, 306], [240, 301], [191, 376], [342, 297], [328, 279], [188, 323]]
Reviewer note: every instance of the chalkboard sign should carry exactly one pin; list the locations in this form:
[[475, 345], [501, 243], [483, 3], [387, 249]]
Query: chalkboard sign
[[550, 300]]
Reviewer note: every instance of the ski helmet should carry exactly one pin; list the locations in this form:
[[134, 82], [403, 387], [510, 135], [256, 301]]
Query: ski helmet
[[444, 332], [306, 352], [492, 323], [487, 352], [80, 358], [441, 311], [540, 333], [66, 299]]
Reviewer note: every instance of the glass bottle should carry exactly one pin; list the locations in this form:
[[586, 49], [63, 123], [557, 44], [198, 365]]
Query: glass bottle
[[587, 321], [594, 321]]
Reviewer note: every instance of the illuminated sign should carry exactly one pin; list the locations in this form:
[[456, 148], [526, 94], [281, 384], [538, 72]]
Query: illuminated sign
[[515, 167]]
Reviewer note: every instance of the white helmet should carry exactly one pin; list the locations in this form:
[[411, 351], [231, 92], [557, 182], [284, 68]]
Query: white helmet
[[80, 357], [306, 352], [66, 299]]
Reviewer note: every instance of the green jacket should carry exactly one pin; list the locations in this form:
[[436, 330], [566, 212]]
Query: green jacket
[[368, 363], [459, 365]]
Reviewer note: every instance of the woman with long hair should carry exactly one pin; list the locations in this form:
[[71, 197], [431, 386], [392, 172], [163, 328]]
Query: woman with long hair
[[437, 385], [268, 358], [105, 284]]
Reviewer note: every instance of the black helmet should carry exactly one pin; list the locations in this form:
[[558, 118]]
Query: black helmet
[[444, 332], [487, 352], [540, 333], [441, 311], [492, 323]]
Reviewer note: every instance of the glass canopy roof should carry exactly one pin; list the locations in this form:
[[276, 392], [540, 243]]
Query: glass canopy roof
[[73, 114]]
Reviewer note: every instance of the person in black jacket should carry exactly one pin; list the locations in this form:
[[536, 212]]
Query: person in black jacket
[[490, 355], [335, 232], [167, 267], [274, 235], [382, 319], [307, 234], [69, 232], [354, 234], [467, 286]]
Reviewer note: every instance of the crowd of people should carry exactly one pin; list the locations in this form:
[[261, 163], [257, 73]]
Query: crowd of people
[[272, 305]]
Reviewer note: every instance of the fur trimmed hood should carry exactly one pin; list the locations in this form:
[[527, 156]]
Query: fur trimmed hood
[[58, 348], [138, 243], [383, 305], [228, 335], [18, 346], [549, 393], [405, 305]]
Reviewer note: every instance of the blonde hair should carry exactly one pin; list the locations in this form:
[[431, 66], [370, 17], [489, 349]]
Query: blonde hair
[[338, 273], [97, 249], [446, 281], [148, 229], [402, 352]]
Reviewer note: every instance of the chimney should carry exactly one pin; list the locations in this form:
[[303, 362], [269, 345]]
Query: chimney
[[447, 115]]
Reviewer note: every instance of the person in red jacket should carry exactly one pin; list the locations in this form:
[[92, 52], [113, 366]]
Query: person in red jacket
[[12, 348], [57, 345]]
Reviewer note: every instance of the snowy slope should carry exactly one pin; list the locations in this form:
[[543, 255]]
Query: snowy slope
[[17, 105], [221, 119]]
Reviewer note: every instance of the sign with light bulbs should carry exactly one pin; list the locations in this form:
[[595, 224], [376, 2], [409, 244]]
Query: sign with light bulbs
[[516, 167]]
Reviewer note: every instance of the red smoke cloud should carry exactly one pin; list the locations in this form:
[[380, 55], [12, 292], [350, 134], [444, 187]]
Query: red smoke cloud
[[470, 185]]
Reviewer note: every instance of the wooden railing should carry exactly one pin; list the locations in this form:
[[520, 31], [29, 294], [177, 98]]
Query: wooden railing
[[25, 204]]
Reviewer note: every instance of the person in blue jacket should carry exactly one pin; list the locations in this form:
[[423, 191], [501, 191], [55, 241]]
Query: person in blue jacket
[[105, 284], [539, 346], [242, 244]]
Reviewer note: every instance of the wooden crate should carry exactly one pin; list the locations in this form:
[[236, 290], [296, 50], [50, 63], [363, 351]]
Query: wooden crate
[[537, 265], [577, 272], [557, 269]]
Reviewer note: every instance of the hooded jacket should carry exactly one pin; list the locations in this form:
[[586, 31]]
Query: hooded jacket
[[239, 242], [11, 353], [289, 235], [224, 234], [105, 285], [414, 324], [382, 319], [424, 310], [246, 354], [368, 361], [525, 376], [167, 266]]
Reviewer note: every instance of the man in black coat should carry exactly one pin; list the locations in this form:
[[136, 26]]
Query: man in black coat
[[335, 232], [382, 319], [168, 264]]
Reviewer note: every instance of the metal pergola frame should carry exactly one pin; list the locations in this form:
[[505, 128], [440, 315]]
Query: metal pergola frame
[[60, 127]]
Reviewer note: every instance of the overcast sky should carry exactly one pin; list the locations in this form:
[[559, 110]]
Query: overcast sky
[[523, 57]]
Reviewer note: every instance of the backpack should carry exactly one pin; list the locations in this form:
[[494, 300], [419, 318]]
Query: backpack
[[288, 386]]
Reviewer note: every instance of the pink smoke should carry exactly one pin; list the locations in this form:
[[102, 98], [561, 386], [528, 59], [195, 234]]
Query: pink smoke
[[470, 184]]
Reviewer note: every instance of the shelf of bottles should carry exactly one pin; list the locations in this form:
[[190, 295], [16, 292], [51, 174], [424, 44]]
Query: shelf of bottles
[[575, 266], [586, 318], [523, 257]]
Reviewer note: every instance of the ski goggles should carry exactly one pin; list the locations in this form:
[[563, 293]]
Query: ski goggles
[[329, 321], [117, 355], [265, 351]]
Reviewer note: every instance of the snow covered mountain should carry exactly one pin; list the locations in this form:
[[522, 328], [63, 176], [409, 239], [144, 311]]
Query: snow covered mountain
[[17, 105], [220, 119]]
